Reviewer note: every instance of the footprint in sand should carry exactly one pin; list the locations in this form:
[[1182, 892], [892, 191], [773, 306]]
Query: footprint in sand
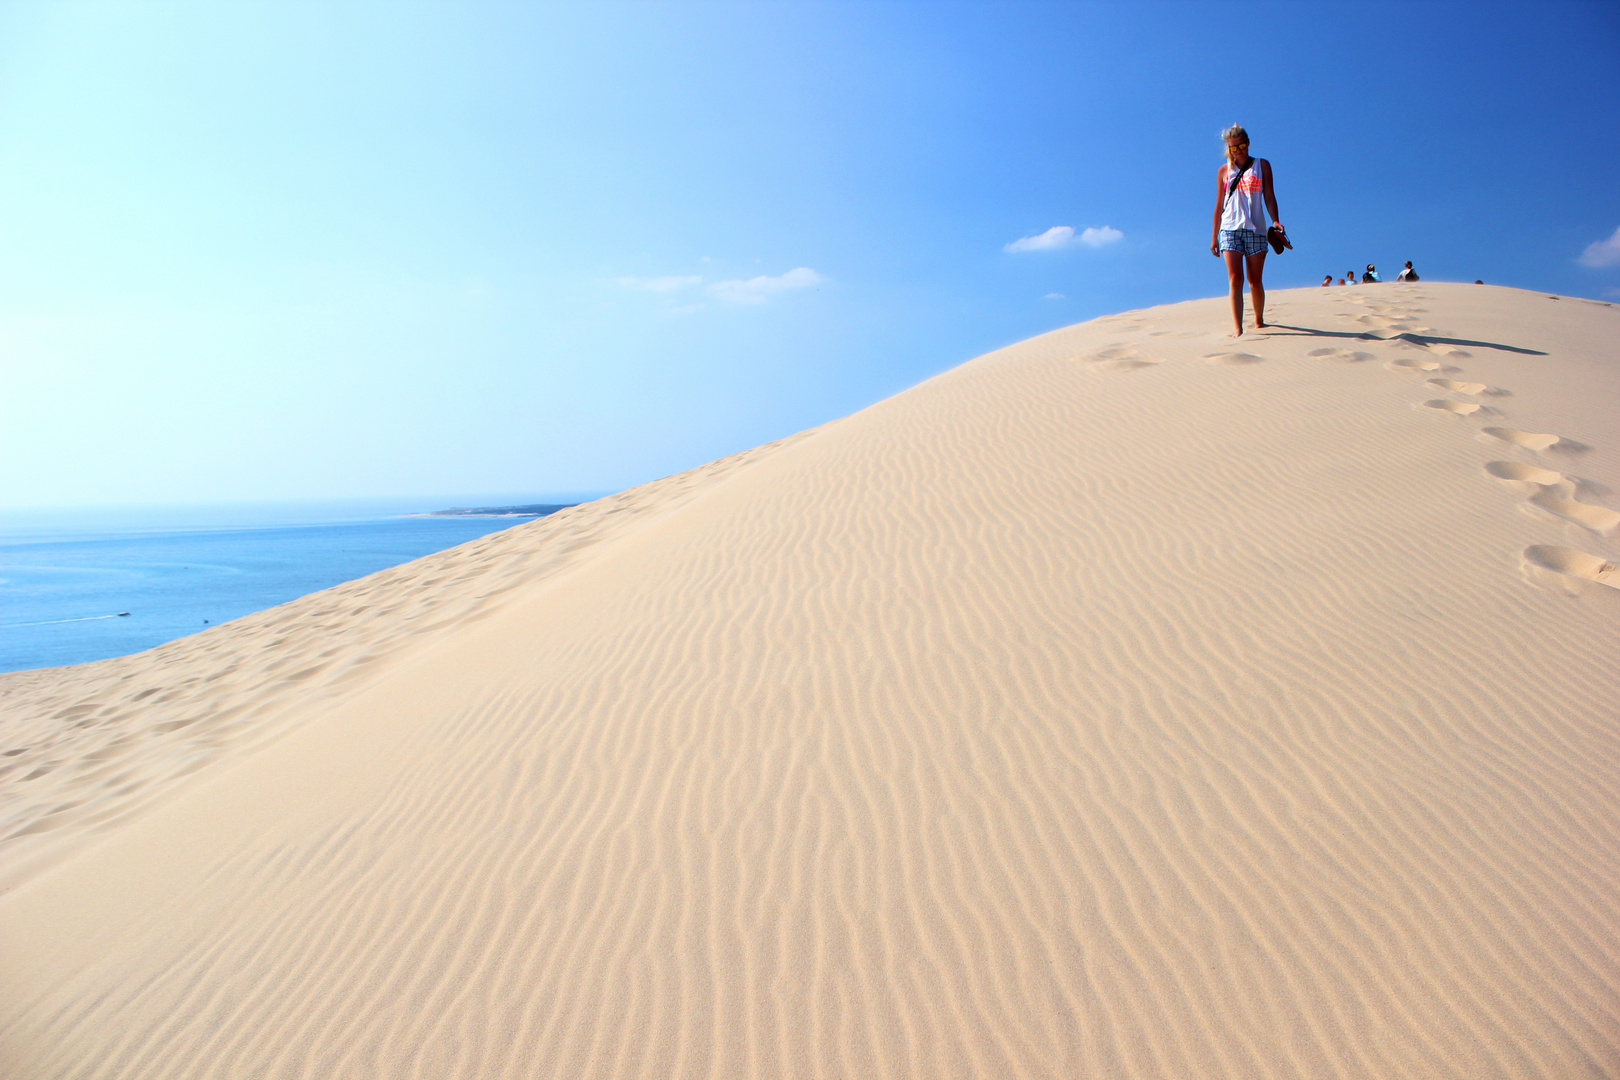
[[1470, 388], [1599, 519], [1407, 366], [1119, 358], [1542, 485], [1389, 326], [1456, 408], [1232, 358], [1525, 478], [1568, 569], [1343, 356], [1532, 440]]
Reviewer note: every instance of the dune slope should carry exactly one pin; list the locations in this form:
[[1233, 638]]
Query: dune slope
[[1131, 701]]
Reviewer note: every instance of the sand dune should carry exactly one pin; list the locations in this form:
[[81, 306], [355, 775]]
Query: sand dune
[[1128, 702], [98, 742]]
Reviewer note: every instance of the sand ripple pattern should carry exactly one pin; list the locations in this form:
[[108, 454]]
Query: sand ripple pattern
[[1031, 723], [88, 746]]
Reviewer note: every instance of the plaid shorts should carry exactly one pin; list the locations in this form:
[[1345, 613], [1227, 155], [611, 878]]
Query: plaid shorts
[[1248, 241]]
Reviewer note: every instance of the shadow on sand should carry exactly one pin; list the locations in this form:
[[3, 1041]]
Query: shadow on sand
[[1423, 340]]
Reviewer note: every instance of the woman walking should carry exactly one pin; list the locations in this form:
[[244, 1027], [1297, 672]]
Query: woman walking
[[1243, 196]]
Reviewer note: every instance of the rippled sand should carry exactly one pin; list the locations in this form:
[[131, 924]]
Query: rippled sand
[[1128, 702]]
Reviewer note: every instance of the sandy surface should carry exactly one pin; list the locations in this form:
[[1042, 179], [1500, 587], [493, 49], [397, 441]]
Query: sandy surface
[[1129, 702]]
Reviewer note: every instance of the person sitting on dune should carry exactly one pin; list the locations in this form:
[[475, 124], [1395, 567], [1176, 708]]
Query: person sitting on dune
[[1407, 274], [1371, 275], [1327, 279]]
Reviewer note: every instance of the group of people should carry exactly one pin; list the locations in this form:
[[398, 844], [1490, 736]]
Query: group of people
[[1371, 275], [1243, 196]]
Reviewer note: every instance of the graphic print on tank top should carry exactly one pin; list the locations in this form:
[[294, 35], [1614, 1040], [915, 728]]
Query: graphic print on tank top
[[1246, 207]]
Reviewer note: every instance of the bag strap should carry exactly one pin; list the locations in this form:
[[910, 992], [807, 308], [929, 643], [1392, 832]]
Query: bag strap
[[1238, 179]]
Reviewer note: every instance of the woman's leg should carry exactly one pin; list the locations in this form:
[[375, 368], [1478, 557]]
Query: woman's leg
[[1234, 277], [1257, 265]]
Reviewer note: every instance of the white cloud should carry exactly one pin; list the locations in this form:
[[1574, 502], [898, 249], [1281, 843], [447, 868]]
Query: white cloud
[[1055, 237], [1602, 252], [757, 290], [1062, 236], [1099, 237], [659, 284], [1054, 296], [737, 291]]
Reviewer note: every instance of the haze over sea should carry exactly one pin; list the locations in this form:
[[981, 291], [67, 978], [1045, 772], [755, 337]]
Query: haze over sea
[[65, 575]]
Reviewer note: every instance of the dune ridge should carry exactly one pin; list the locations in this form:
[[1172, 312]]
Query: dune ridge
[[1105, 706]]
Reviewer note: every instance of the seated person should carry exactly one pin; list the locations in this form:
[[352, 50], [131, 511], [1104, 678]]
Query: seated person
[[1327, 279], [1371, 275], [1407, 274]]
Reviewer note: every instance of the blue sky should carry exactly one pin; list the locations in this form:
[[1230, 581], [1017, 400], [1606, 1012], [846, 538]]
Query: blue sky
[[334, 250]]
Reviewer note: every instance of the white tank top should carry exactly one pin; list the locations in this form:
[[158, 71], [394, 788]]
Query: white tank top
[[1245, 208]]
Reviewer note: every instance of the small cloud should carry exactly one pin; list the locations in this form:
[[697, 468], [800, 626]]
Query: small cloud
[[1056, 237], [1062, 236], [1054, 296], [1602, 253], [758, 290], [660, 284]]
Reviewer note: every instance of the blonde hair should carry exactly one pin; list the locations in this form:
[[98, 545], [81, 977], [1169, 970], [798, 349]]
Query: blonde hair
[[1235, 132]]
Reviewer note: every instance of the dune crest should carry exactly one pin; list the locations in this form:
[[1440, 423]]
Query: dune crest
[[1125, 702]]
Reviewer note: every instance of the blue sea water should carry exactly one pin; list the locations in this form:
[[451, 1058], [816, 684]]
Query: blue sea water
[[66, 575]]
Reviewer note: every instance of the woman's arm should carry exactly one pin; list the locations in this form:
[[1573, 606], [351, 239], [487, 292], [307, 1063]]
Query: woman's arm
[[1220, 204], [1265, 190]]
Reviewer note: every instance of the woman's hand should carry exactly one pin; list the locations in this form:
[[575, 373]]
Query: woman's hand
[[1215, 248]]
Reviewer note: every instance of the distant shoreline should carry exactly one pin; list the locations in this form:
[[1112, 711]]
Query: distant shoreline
[[530, 510]]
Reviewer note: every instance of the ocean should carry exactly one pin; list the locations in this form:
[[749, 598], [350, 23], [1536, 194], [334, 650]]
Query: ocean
[[68, 576]]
